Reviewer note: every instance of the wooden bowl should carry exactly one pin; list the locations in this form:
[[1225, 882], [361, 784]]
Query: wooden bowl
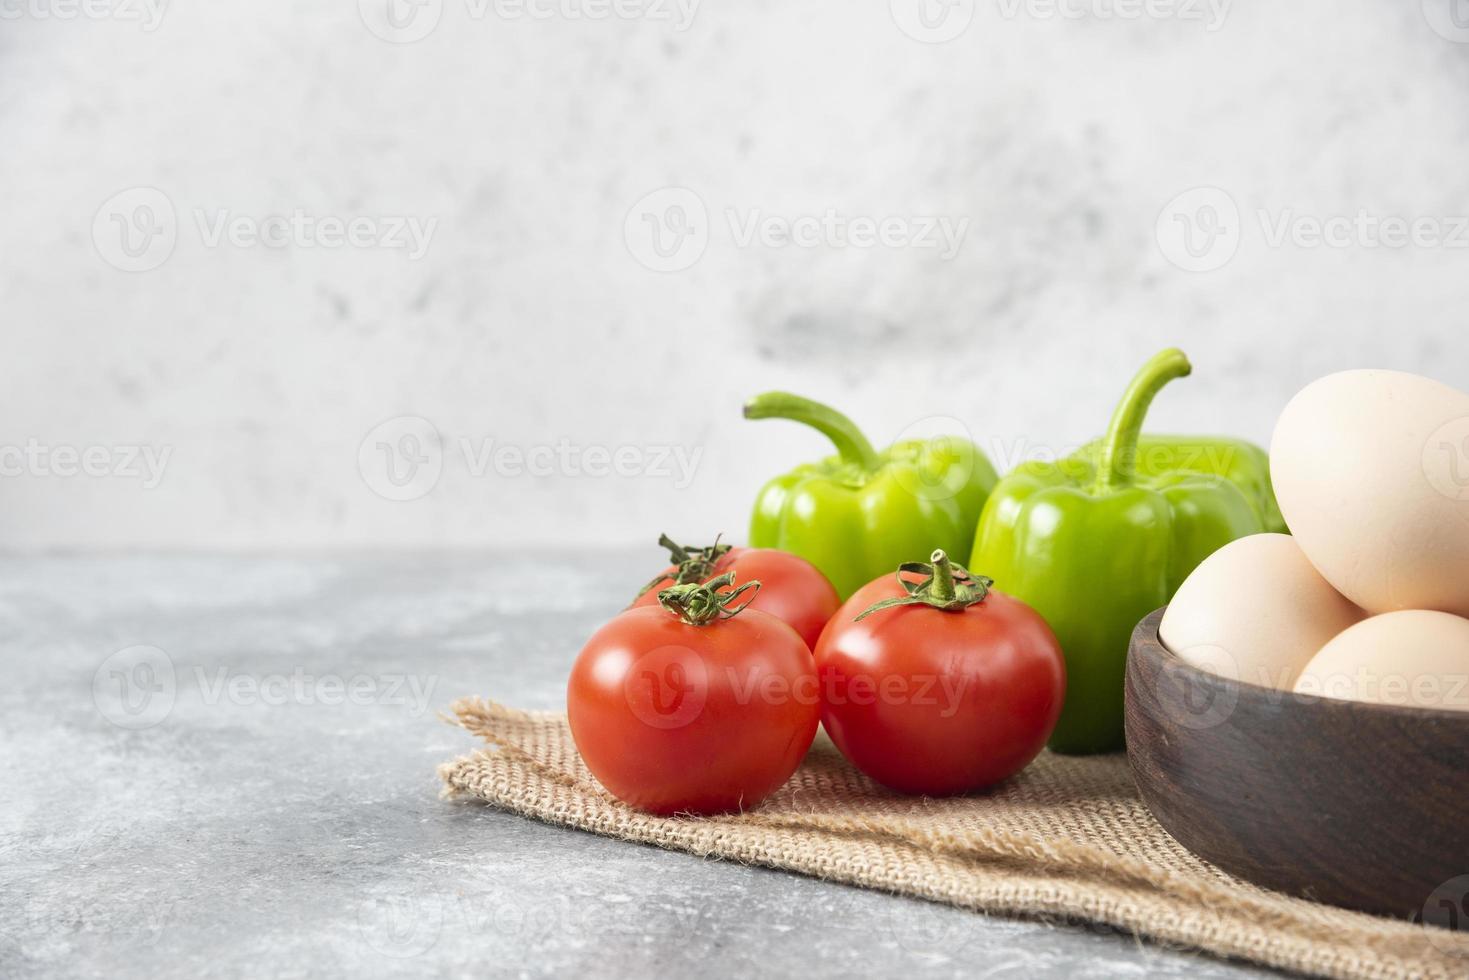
[[1358, 805]]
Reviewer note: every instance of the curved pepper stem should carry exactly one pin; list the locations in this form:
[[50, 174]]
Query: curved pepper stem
[[851, 444], [1117, 464]]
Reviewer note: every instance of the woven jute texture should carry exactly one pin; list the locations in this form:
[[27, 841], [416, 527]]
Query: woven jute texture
[[1068, 839]]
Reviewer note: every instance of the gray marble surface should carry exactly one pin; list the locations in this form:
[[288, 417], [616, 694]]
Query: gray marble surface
[[1075, 143], [226, 767]]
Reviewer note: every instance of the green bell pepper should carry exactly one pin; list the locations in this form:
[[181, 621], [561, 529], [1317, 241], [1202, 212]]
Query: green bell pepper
[[1096, 546], [1242, 463], [861, 513]]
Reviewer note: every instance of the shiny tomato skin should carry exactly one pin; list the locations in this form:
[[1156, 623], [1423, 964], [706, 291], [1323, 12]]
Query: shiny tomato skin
[[674, 718], [791, 588], [928, 701]]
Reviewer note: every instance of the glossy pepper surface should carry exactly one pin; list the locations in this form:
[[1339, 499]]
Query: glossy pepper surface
[[1242, 463], [1096, 546], [861, 513]]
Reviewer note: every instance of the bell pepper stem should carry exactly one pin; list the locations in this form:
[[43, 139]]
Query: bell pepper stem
[[850, 443], [1117, 465]]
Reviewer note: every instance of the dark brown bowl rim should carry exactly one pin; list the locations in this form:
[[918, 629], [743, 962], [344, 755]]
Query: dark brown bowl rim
[[1149, 630]]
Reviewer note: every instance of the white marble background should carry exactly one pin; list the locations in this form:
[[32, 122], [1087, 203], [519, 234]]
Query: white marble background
[[526, 136]]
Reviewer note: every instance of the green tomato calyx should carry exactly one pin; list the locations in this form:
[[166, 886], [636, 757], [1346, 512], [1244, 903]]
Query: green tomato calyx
[[689, 564], [946, 586], [701, 603]]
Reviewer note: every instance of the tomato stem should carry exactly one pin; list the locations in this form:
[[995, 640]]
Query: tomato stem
[[701, 603], [947, 586], [942, 587], [689, 564]]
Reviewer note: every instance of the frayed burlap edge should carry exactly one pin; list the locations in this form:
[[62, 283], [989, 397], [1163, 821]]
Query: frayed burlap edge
[[532, 769]]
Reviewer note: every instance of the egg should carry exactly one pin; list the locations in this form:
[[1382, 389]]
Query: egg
[[1371, 469], [1256, 611], [1413, 657]]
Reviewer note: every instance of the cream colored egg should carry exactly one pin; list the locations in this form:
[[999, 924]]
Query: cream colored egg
[[1413, 657], [1371, 469], [1256, 611]]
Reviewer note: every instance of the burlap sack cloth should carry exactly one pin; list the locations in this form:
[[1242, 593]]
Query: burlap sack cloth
[[1068, 839]]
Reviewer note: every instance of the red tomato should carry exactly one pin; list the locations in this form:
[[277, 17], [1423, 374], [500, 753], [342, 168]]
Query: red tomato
[[937, 701], [791, 588], [676, 718]]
